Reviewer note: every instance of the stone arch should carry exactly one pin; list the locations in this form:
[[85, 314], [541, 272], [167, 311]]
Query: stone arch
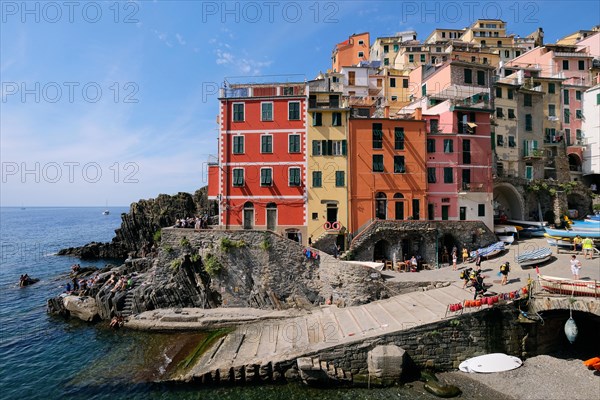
[[509, 201], [381, 250]]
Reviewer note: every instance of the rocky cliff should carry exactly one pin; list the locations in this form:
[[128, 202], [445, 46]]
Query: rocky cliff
[[139, 226], [210, 268]]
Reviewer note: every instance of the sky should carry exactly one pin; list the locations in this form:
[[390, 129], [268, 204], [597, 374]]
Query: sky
[[108, 102]]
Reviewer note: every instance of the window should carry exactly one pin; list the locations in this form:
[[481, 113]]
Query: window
[[468, 75], [481, 210], [481, 78], [315, 216], [338, 147], [317, 148], [511, 141], [500, 140], [578, 135], [511, 113], [567, 119], [398, 138], [581, 65], [506, 54], [386, 61], [238, 145], [399, 167], [517, 53], [361, 42], [266, 111], [266, 177], [288, 91], [394, 98], [238, 112], [431, 145], [510, 94], [396, 48], [431, 175], [340, 179], [528, 122], [351, 77], [411, 58], [336, 119], [578, 114], [566, 97], [377, 162], [565, 64], [393, 82], [386, 48], [317, 178], [238, 177], [424, 89], [551, 88], [266, 144], [597, 98], [499, 112], [317, 119], [527, 100], [361, 54], [294, 143], [405, 83], [293, 110], [433, 125], [499, 92], [422, 58], [578, 95], [551, 110], [294, 176], [377, 136], [448, 175], [448, 146]]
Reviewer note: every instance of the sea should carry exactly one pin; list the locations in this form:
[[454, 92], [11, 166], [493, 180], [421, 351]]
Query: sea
[[48, 357]]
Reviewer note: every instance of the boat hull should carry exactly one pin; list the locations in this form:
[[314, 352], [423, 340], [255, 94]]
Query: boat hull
[[569, 286], [572, 233]]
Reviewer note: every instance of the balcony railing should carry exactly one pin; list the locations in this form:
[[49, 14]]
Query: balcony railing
[[325, 104], [473, 187]]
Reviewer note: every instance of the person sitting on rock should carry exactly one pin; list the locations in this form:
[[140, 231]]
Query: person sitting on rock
[[111, 280]]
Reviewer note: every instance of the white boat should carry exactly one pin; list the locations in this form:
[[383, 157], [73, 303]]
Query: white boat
[[533, 231], [527, 223], [558, 241], [498, 229], [569, 286], [105, 212], [572, 233], [534, 257], [488, 251], [507, 239]]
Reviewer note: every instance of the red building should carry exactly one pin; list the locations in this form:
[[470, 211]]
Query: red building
[[259, 179]]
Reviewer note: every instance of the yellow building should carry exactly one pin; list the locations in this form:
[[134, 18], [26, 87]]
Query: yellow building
[[327, 159]]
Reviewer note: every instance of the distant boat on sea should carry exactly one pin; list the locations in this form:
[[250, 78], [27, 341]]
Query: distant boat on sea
[[105, 212]]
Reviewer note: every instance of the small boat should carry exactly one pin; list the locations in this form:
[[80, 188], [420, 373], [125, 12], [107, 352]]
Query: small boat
[[498, 229], [534, 257], [105, 212], [572, 233], [569, 286], [488, 251], [592, 218], [526, 223], [558, 241], [507, 239], [533, 231]]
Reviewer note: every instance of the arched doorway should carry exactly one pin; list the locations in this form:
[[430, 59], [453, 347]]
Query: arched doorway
[[574, 162], [381, 250], [271, 216], [508, 201], [399, 206], [380, 206], [248, 215]]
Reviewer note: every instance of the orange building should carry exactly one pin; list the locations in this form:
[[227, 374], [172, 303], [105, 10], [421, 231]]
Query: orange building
[[351, 52], [388, 162]]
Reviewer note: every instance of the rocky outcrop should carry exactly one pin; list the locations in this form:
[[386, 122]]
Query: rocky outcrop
[[139, 227], [210, 268]]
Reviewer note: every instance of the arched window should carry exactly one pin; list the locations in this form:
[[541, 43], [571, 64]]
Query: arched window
[[399, 206], [381, 205], [271, 216]]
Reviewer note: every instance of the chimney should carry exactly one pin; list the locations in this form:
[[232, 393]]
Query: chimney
[[418, 113]]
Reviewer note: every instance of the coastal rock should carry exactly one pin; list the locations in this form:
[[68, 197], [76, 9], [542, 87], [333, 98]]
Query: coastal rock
[[84, 308]]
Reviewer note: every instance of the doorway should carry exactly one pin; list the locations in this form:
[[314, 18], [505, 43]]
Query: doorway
[[271, 217]]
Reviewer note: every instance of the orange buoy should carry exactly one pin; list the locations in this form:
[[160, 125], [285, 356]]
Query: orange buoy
[[591, 362], [477, 303]]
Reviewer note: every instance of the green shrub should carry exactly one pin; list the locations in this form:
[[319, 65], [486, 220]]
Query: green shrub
[[195, 257], [175, 264], [168, 248], [184, 242], [596, 207], [157, 236], [211, 265], [265, 245], [227, 244]]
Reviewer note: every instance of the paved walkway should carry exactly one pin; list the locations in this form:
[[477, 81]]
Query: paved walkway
[[287, 339]]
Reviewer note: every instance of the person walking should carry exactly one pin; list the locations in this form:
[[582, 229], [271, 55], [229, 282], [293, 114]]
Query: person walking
[[477, 261], [575, 266], [504, 270], [465, 253], [454, 259], [588, 248]]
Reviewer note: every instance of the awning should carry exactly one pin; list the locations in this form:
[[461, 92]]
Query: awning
[[472, 124]]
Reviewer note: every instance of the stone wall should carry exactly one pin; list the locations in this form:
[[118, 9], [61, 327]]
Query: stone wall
[[425, 237]]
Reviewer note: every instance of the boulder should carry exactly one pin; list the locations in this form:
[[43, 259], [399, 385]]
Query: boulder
[[84, 308], [386, 363]]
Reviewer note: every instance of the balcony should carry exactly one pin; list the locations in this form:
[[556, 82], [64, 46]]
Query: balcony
[[274, 90], [328, 104], [473, 187], [532, 154]]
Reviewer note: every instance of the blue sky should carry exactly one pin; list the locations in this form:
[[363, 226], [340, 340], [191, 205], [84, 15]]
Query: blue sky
[[111, 102]]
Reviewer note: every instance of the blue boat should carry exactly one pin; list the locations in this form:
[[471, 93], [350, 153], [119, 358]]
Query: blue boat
[[572, 232], [488, 251]]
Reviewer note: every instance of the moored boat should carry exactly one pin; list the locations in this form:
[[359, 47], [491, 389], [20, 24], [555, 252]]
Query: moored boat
[[534, 257], [533, 231], [488, 251], [507, 239], [572, 233], [569, 286], [499, 229], [558, 241], [526, 223]]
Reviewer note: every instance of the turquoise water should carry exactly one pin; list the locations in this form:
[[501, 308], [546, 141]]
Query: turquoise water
[[46, 357]]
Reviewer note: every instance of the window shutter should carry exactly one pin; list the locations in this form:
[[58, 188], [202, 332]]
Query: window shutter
[[329, 147], [344, 147]]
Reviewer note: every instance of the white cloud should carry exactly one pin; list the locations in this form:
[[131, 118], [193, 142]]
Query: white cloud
[[180, 39]]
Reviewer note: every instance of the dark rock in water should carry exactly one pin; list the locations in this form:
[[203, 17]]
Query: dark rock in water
[[434, 386], [28, 282], [138, 227]]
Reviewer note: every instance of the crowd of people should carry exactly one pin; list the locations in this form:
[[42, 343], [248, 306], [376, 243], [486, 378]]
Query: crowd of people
[[193, 222], [83, 286]]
